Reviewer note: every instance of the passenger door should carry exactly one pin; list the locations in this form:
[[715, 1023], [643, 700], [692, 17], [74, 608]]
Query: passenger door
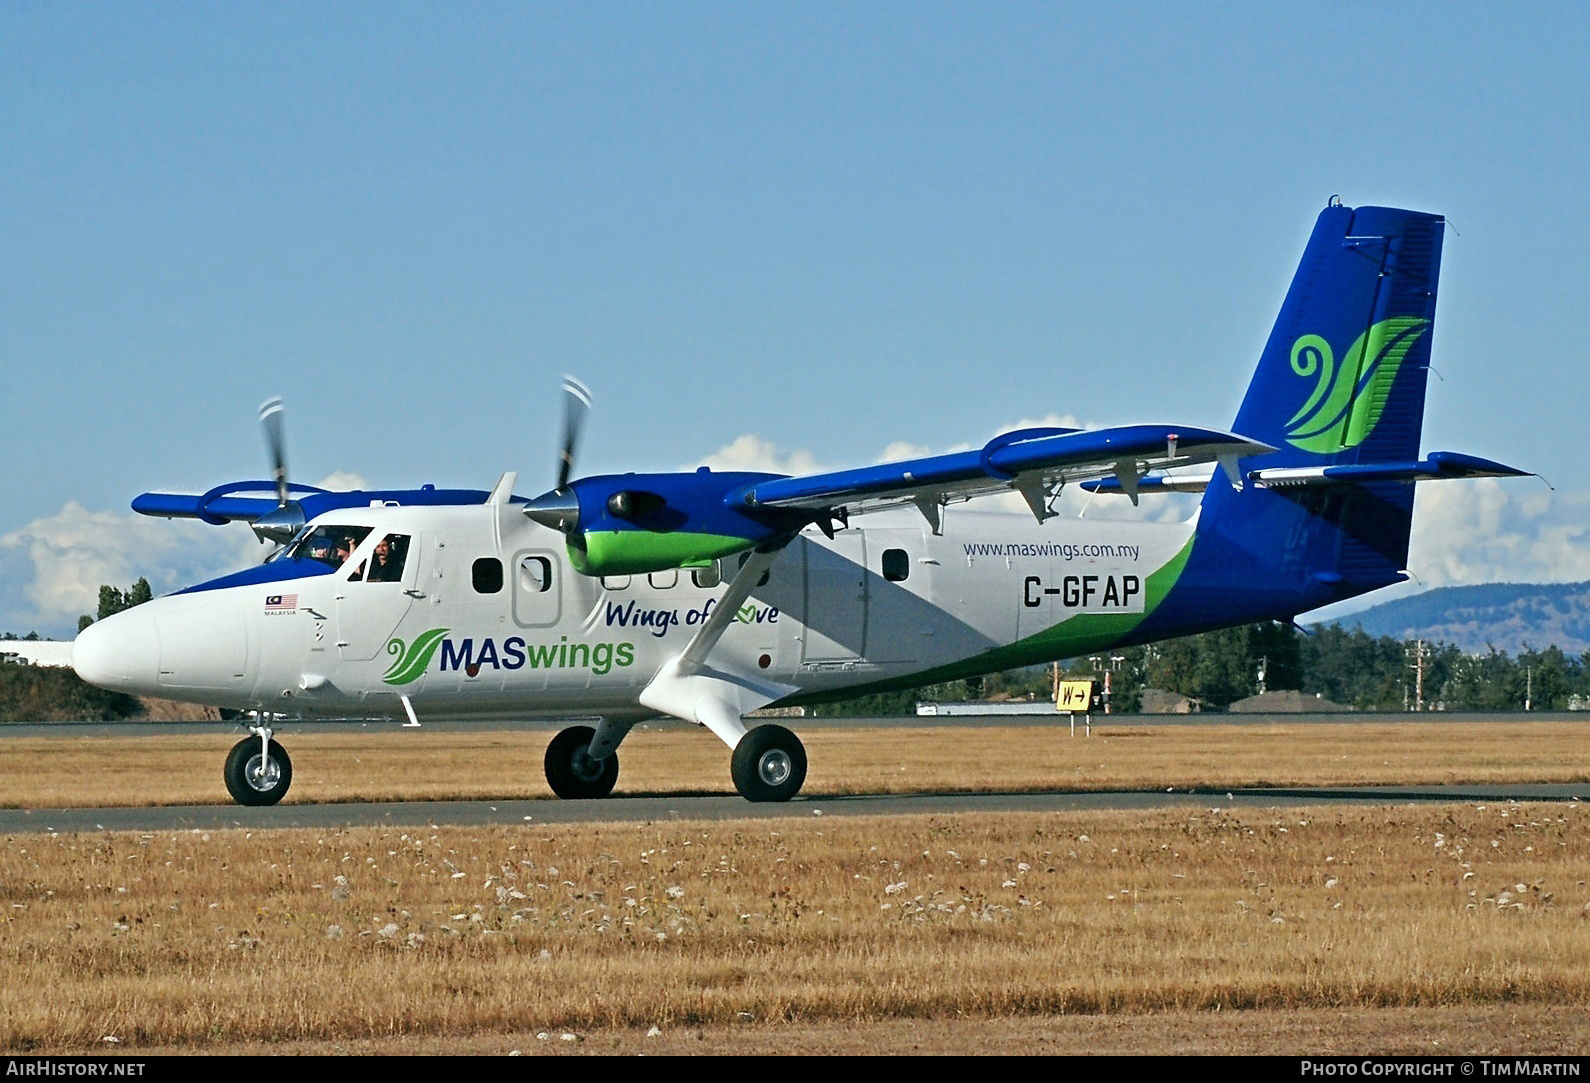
[[375, 590]]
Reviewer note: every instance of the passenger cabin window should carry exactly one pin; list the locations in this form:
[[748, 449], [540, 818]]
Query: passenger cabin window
[[387, 560], [710, 576], [615, 582], [329, 544], [535, 575], [664, 579], [896, 565], [486, 575]]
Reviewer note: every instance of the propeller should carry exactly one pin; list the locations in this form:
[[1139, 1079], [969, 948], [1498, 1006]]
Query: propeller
[[273, 422], [576, 406], [282, 524], [560, 508]]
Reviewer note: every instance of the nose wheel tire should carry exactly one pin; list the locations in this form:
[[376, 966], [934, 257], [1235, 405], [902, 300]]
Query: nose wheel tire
[[769, 764], [572, 772], [258, 778]]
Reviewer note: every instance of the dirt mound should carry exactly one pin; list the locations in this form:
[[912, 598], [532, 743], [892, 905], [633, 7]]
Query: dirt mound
[[170, 710]]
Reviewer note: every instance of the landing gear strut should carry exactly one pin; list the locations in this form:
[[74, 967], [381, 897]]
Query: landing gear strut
[[258, 770], [769, 764], [573, 772]]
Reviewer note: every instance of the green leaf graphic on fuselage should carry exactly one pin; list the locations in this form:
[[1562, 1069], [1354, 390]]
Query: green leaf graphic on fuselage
[[1349, 398], [414, 659]]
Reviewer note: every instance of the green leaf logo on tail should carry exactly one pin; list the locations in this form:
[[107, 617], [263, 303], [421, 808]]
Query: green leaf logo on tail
[[412, 660], [1349, 397]]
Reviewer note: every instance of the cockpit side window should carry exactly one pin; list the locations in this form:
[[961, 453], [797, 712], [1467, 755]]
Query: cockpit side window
[[329, 544], [388, 558]]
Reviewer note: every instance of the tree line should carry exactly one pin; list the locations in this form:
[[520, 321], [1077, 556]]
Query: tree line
[[54, 693], [1346, 667]]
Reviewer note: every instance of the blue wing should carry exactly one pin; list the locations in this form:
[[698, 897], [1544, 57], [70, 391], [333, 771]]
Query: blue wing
[[1032, 462]]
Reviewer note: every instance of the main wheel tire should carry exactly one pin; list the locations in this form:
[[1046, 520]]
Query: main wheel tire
[[255, 779], [572, 773], [769, 764]]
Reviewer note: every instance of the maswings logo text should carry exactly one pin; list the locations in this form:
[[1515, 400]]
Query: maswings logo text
[[411, 660]]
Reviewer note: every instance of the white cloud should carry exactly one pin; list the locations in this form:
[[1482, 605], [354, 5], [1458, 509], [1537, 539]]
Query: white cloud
[[341, 481], [51, 570], [1487, 531], [904, 449], [1491, 531], [1049, 421], [750, 452]]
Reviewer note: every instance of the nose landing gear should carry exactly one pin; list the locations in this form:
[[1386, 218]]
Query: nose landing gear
[[258, 770]]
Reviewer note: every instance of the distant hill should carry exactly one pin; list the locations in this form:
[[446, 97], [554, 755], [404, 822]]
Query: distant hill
[[1507, 616]]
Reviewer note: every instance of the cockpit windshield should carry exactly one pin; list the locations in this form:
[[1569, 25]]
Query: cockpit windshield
[[328, 544]]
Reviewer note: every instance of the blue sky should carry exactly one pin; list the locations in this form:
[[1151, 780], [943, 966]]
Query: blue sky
[[808, 232]]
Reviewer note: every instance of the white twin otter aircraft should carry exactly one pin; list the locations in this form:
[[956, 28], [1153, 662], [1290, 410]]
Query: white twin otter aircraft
[[707, 595]]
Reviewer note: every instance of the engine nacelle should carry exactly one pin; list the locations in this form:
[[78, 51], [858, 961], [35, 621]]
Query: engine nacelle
[[630, 524]]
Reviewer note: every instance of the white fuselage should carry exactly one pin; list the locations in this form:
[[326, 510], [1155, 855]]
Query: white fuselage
[[489, 620]]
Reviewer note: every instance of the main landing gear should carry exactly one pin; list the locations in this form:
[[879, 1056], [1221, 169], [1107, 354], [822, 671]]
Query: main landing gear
[[258, 770], [572, 771], [769, 762]]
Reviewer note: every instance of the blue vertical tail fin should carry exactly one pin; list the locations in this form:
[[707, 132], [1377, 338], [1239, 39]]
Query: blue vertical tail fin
[[1342, 377], [1341, 381]]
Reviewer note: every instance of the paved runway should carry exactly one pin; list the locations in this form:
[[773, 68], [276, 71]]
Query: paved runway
[[644, 809]]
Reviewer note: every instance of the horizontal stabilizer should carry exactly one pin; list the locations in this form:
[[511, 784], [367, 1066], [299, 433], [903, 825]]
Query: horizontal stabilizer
[[1439, 466]]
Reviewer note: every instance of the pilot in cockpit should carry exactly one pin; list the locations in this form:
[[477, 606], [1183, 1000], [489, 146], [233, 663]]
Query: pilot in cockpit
[[385, 565], [319, 547]]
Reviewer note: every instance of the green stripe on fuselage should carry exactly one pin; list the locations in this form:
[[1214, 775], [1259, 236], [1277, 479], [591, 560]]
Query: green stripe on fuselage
[[1078, 635], [635, 552]]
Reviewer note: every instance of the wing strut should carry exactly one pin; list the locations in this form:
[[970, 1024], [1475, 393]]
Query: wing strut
[[687, 688]]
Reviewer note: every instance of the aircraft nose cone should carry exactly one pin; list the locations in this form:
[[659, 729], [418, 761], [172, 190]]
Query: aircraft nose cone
[[121, 652]]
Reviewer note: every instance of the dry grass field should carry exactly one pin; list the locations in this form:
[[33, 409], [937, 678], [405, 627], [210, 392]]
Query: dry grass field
[[1453, 928]]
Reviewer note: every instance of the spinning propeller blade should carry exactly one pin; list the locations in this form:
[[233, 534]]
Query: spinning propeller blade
[[576, 405], [272, 421], [559, 508], [280, 525]]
